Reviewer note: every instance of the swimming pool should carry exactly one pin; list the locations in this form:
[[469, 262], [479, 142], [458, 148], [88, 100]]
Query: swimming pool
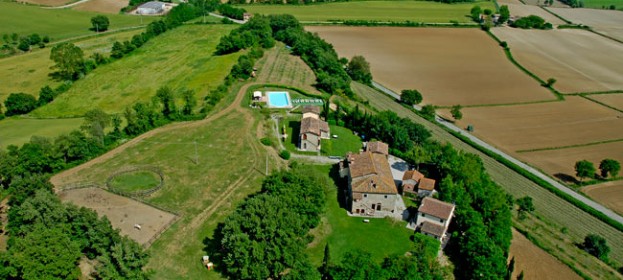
[[279, 99]]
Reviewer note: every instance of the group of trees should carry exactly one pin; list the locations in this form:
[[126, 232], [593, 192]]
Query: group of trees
[[410, 97], [532, 21], [318, 54], [120, 49], [586, 169], [22, 103], [13, 42], [231, 11], [574, 3], [359, 70]]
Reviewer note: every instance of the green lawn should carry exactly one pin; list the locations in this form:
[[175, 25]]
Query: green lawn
[[29, 72], [599, 4], [380, 237], [181, 58], [56, 23], [135, 181], [399, 11], [345, 142], [17, 131]]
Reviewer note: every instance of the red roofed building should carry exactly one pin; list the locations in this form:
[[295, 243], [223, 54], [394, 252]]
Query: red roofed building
[[312, 129], [415, 184], [434, 217]]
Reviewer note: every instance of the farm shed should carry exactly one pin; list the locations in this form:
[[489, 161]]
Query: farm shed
[[150, 8]]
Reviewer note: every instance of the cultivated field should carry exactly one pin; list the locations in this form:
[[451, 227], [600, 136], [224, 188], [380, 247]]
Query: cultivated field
[[51, 3], [122, 212], [398, 11], [579, 60], [283, 68], [448, 66], [536, 263], [102, 6], [575, 121], [612, 100], [522, 10], [162, 61], [561, 162], [17, 131], [604, 21], [29, 72], [556, 212], [609, 194], [58, 24]]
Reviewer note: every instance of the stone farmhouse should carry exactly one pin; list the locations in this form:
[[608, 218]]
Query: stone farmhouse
[[434, 217], [415, 184], [312, 129], [371, 188]]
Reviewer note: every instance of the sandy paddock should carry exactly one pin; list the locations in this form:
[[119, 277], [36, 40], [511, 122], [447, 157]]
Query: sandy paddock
[[613, 100], [610, 194], [448, 66], [103, 6], [536, 263], [604, 21], [579, 60], [544, 125], [122, 212]]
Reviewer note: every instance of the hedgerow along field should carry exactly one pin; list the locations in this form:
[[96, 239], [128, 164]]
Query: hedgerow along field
[[17, 131], [579, 60], [555, 211], [57, 23], [448, 66], [182, 58], [612, 100], [396, 11], [29, 72]]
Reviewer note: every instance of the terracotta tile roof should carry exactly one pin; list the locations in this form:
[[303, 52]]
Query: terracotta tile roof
[[313, 125], [432, 228], [412, 175], [311, 109], [378, 147], [408, 188], [370, 173], [436, 208], [426, 184]]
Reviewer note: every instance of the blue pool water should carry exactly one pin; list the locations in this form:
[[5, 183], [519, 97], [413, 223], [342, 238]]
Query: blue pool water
[[278, 99]]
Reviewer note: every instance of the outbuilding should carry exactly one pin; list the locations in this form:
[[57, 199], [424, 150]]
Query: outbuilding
[[151, 8]]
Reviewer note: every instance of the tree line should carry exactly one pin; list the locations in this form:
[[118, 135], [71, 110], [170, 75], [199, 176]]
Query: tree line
[[14, 42]]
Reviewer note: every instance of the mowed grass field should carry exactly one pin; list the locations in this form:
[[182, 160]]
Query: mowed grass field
[[17, 131], [283, 68], [398, 11], [579, 60], [448, 66], [29, 72], [58, 24], [557, 212], [181, 59]]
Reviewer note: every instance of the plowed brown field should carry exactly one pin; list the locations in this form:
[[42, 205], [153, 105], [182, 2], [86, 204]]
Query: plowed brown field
[[610, 194], [103, 6], [604, 21], [521, 10], [51, 3], [448, 66]]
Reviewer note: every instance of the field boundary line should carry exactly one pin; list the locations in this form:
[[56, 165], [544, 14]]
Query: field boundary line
[[601, 103], [589, 29], [570, 146]]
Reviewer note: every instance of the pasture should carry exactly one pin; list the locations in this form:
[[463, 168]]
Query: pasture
[[536, 263], [122, 212], [575, 121], [102, 6], [58, 24], [17, 131], [397, 11], [579, 60], [283, 68], [604, 21], [609, 194], [448, 66], [162, 61], [612, 100], [29, 72]]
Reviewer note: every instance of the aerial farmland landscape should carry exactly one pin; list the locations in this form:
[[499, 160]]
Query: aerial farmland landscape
[[397, 139]]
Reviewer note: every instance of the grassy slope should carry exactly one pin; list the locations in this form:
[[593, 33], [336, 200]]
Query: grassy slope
[[58, 24], [16, 131], [554, 210], [29, 72], [346, 142], [418, 11], [182, 58], [380, 237], [598, 4]]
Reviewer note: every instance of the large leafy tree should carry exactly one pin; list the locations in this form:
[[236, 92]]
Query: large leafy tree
[[95, 122], [359, 69], [69, 60], [584, 168], [609, 166], [410, 96], [19, 103], [100, 23], [596, 245]]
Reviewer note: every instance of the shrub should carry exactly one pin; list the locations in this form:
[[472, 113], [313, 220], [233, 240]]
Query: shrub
[[266, 141], [19, 103], [284, 154]]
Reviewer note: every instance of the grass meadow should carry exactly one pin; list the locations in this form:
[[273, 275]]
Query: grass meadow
[[57, 23], [398, 11], [181, 59], [29, 72], [17, 131]]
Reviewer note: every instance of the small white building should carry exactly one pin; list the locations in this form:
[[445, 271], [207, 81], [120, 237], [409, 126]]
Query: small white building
[[434, 217], [150, 8]]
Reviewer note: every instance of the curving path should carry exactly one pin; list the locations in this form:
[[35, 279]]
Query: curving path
[[66, 6]]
